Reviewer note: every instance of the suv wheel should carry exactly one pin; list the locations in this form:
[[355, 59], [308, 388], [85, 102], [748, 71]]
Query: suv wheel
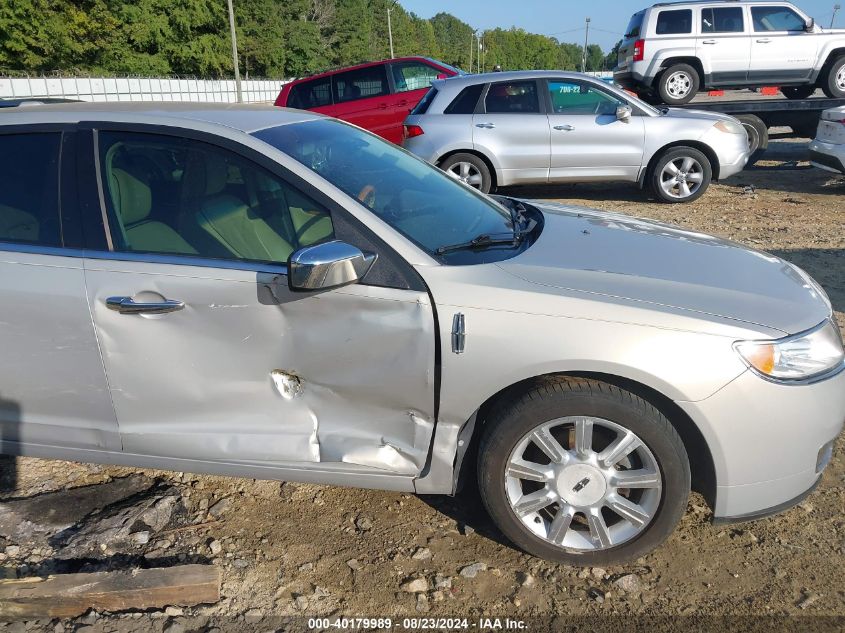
[[582, 472], [681, 174], [798, 92], [834, 84], [469, 169], [678, 84]]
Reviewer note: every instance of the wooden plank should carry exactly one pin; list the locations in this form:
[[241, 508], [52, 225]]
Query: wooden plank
[[68, 595]]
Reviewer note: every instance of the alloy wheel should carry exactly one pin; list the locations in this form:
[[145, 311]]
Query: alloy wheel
[[840, 79], [583, 483], [466, 173], [681, 177], [679, 84]]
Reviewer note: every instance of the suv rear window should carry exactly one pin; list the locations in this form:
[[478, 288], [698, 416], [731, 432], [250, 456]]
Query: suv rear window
[[635, 25], [722, 20], [519, 97], [360, 84], [466, 101], [311, 94], [29, 188], [674, 22]]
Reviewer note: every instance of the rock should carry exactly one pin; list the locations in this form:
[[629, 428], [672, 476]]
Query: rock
[[140, 538], [306, 567], [13, 551], [629, 583], [471, 571], [321, 592], [172, 627], [526, 580], [598, 573], [353, 563], [215, 547], [220, 508], [807, 599], [422, 603], [594, 593], [240, 563], [254, 614], [364, 523], [300, 602], [173, 611], [517, 602], [466, 530], [442, 582], [415, 585], [438, 596], [422, 553]]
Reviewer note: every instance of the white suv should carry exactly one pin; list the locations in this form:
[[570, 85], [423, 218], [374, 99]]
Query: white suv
[[673, 49]]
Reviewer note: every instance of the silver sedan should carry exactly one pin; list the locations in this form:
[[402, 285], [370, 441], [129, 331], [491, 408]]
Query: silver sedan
[[270, 293], [553, 127]]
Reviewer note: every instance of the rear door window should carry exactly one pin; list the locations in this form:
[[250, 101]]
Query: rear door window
[[776, 19], [518, 97], [409, 76], [674, 22], [360, 84], [311, 94], [29, 188], [722, 20], [466, 101]]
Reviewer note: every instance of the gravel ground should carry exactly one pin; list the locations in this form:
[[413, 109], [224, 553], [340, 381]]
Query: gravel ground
[[290, 549]]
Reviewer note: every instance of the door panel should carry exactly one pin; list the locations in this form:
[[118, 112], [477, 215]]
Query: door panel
[[587, 141], [724, 44], [363, 97], [780, 48], [206, 382]]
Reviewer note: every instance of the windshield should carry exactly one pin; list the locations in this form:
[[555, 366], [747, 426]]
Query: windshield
[[424, 204]]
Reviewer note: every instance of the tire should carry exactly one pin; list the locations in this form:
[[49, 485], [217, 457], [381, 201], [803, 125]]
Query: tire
[[470, 169], [798, 92], [833, 83], [560, 402], [688, 161], [678, 84], [758, 135]]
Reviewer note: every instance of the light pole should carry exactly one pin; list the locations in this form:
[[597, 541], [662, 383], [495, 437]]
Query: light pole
[[471, 46], [235, 52], [584, 56], [390, 31], [836, 8]]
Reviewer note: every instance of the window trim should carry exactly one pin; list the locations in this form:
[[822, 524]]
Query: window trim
[[90, 250], [65, 199], [481, 107]]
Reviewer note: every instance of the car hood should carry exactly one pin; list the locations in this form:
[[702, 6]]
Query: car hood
[[640, 260], [677, 113]]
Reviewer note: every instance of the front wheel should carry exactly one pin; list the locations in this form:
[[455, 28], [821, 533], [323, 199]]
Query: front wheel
[[834, 84], [470, 170], [583, 472], [680, 174], [678, 84]]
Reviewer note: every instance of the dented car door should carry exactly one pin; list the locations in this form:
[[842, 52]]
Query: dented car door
[[211, 357]]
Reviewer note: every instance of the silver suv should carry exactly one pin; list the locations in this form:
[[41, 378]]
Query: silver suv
[[553, 126], [672, 50]]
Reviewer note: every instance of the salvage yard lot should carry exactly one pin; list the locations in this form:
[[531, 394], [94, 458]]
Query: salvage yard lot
[[289, 549]]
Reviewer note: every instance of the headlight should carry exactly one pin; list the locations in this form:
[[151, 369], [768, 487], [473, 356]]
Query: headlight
[[729, 127], [797, 357]]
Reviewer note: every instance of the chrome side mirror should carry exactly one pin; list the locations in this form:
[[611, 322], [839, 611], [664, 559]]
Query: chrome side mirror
[[624, 113], [810, 25], [327, 265]]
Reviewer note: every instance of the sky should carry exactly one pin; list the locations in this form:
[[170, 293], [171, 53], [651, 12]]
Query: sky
[[564, 19]]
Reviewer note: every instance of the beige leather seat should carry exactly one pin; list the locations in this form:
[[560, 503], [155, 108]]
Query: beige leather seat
[[132, 201]]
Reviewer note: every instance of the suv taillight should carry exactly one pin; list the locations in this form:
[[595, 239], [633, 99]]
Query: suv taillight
[[413, 130], [639, 50]]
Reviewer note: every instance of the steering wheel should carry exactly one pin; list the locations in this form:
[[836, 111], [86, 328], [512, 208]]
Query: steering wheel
[[367, 195]]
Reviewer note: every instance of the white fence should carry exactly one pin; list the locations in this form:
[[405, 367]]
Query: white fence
[[140, 89]]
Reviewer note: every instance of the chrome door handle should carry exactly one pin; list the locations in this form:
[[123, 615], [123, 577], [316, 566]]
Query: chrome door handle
[[487, 126], [565, 128], [708, 41], [764, 40], [126, 305]]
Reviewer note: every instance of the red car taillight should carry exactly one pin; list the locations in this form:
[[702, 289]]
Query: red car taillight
[[413, 130], [639, 50]]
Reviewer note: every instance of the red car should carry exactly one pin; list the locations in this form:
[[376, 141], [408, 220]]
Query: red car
[[376, 96]]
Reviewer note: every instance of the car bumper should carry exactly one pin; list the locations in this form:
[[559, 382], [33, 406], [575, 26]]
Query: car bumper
[[629, 79], [770, 442], [828, 156]]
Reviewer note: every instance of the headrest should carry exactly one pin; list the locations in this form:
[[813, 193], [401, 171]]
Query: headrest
[[131, 197], [216, 173]]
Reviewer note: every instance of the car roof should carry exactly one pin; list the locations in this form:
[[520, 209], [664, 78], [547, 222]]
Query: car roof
[[675, 3], [341, 69], [245, 118], [511, 75]]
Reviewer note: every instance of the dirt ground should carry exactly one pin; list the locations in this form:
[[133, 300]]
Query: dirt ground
[[290, 550]]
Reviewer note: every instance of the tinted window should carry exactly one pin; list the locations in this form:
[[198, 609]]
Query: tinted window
[[776, 19], [311, 94], [360, 84], [635, 25], [184, 197], [515, 96], [466, 101], [425, 102], [570, 97], [29, 188], [413, 76], [722, 20], [674, 22]]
